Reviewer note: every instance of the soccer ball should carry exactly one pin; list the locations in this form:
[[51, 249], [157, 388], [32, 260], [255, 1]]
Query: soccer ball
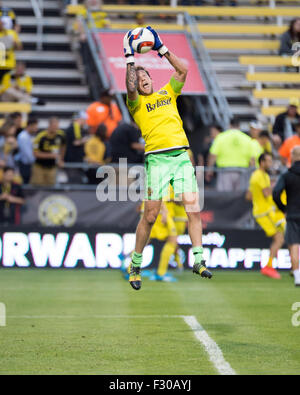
[[143, 40]]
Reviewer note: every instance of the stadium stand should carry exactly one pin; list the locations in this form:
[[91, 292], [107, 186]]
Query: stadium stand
[[54, 68]]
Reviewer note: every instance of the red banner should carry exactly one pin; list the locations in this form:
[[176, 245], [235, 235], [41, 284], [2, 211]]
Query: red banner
[[159, 69]]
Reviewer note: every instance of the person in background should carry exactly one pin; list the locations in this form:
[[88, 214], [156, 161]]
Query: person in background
[[261, 145], [9, 18], [232, 152], [192, 2], [125, 142], [290, 182], [287, 147], [17, 86], [8, 128], [96, 152], [214, 131], [76, 137], [290, 37], [255, 128], [104, 111], [25, 156], [11, 41], [8, 146], [49, 151], [11, 199], [17, 120], [284, 126], [268, 218]]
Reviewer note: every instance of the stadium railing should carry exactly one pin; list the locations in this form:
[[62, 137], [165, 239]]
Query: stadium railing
[[265, 61], [208, 11]]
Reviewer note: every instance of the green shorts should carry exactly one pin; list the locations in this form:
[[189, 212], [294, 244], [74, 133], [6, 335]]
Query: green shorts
[[169, 168]]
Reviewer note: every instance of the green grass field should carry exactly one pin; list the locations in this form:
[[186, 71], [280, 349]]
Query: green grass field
[[92, 322]]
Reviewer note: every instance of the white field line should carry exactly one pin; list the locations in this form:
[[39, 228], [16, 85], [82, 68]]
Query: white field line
[[211, 347]]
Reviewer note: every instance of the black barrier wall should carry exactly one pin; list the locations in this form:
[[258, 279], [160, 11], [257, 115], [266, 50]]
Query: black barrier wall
[[82, 209]]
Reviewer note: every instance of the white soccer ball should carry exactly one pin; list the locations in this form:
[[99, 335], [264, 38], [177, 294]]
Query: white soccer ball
[[143, 40]]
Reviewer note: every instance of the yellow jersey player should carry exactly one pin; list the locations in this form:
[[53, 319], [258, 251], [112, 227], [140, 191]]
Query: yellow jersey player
[[167, 161], [269, 218]]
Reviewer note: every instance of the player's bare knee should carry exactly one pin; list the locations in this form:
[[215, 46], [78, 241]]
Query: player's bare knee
[[194, 216], [151, 217]]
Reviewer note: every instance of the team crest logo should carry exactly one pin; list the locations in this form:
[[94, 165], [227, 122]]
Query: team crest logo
[[57, 210], [163, 92]]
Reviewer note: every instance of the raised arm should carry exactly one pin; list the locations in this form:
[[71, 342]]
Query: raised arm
[[131, 82], [131, 77], [179, 66]]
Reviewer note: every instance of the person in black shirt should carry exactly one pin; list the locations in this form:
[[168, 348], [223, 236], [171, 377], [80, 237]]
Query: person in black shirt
[[125, 143], [49, 150], [11, 199], [290, 182], [284, 126], [76, 137]]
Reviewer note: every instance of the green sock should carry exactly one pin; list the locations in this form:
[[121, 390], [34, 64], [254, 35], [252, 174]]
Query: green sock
[[198, 254], [137, 259]]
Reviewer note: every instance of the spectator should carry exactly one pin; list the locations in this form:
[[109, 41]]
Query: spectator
[[9, 18], [290, 182], [232, 152], [287, 147], [289, 38], [232, 3], [214, 131], [284, 126], [140, 19], [12, 42], [125, 142], [8, 145], [25, 155], [104, 111], [261, 145], [192, 2], [96, 152], [99, 17], [17, 86], [11, 199], [7, 129], [255, 129], [76, 137], [17, 120], [49, 151]]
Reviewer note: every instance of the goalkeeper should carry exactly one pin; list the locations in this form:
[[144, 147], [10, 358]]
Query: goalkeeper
[[167, 161]]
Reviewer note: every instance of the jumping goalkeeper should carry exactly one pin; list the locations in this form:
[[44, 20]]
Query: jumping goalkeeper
[[167, 161]]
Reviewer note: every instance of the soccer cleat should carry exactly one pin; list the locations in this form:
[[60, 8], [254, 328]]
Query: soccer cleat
[[135, 278], [297, 278], [270, 272], [200, 268]]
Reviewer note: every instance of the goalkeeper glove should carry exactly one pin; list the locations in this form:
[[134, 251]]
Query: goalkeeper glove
[[128, 50], [158, 44]]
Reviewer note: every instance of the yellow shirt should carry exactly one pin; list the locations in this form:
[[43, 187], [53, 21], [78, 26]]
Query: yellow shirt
[[9, 81], [158, 118], [95, 150], [8, 59], [259, 181]]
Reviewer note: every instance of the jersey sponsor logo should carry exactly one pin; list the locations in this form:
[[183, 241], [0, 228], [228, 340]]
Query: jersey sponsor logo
[[159, 103]]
